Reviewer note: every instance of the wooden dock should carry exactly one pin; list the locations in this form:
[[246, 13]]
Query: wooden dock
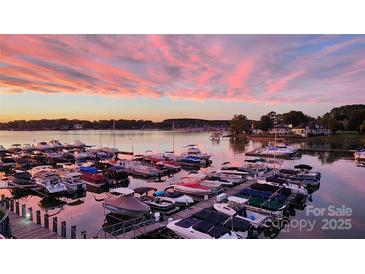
[[181, 214], [26, 229]]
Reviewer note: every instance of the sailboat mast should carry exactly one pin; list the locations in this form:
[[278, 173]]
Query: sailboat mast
[[114, 133], [173, 136]]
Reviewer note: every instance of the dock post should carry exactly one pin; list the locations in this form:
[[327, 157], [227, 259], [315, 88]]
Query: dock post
[[30, 212], [55, 220], [17, 210], [24, 211], [46, 221], [83, 234], [73, 232], [7, 206], [38, 216], [12, 205], [63, 229], [2, 202]]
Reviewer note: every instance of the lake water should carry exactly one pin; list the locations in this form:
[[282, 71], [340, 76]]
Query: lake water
[[341, 192]]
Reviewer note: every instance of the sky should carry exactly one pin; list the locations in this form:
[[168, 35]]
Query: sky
[[156, 77]]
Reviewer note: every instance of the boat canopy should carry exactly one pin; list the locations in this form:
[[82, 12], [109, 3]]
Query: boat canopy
[[289, 171], [237, 200], [127, 202], [307, 167], [88, 169], [122, 190], [238, 224], [211, 216], [212, 230]]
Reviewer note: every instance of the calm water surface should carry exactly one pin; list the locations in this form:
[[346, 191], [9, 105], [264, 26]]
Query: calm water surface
[[342, 184]]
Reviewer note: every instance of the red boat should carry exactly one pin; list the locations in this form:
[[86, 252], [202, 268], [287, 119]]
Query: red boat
[[170, 165], [94, 179]]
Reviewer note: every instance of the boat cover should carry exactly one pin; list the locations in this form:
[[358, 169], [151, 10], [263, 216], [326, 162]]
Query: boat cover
[[210, 216], [89, 169], [143, 190], [187, 222], [212, 230], [237, 224], [265, 187], [289, 171], [126, 202]]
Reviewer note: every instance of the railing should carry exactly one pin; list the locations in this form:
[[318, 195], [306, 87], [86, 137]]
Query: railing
[[121, 228]]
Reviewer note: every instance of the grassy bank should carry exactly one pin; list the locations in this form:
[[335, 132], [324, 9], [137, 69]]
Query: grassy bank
[[341, 135]]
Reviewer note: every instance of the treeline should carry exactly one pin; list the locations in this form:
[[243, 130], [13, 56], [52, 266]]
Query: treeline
[[66, 124], [349, 117]]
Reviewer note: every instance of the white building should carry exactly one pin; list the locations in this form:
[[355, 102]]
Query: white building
[[311, 129], [281, 130]]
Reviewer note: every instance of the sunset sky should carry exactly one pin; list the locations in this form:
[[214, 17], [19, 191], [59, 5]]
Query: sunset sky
[[169, 76]]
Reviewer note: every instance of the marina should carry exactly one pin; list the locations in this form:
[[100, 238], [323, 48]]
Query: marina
[[142, 178]]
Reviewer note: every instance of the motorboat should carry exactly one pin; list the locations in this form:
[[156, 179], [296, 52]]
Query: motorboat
[[194, 150], [193, 186], [38, 169], [224, 179], [50, 182], [27, 147], [209, 224], [295, 188], [122, 202], [144, 171], [15, 147], [169, 165], [72, 180], [278, 150], [3, 149], [21, 178], [236, 206], [193, 161], [154, 202], [300, 173], [55, 144], [96, 180], [359, 154], [177, 197], [81, 155], [78, 144], [42, 146], [242, 174], [7, 162]]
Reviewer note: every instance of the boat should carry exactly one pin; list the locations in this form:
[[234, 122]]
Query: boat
[[224, 179], [55, 144], [27, 147], [169, 165], [96, 180], [193, 161], [7, 163], [38, 169], [236, 206], [359, 154], [15, 147], [3, 149], [278, 150], [20, 178], [144, 171], [50, 182], [194, 187], [177, 197], [125, 204], [42, 146], [72, 180], [194, 150], [78, 144], [209, 224], [295, 188], [154, 202]]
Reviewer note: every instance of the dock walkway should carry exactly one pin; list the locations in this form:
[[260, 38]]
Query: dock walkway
[[22, 228], [181, 214]]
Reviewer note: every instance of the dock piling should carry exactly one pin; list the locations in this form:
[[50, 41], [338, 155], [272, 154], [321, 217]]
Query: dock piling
[[83, 234], [2, 201], [38, 217], [46, 221], [55, 220], [17, 210], [73, 232], [63, 229], [12, 205]]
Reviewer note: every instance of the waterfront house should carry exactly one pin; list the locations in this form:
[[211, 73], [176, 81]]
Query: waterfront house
[[77, 126], [281, 129], [312, 128]]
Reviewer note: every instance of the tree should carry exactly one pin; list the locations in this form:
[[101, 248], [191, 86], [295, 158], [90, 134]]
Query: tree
[[239, 124], [265, 123], [327, 121], [356, 119], [344, 112], [362, 127], [296, 117]]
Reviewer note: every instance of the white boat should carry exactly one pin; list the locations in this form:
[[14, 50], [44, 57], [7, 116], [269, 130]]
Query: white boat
[[360, 154], [38, 169], [72, 180], [80, 155], [224, 179], [295, 188], [145, 171], [177, 197], [27, 147], [55, 144], [125, 204], [78, 144], [236, 206], [194, 229], [194, 187], [50, 182], [194, 150], [42, 146], [278, 150], [243, 174]]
